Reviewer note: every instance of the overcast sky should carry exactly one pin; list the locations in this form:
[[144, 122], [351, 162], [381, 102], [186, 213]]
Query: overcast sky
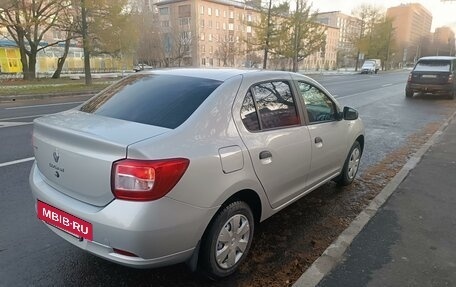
[[443, 13]]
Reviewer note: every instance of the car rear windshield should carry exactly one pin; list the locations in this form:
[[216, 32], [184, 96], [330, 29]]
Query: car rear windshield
[[433, 66], [159, 100]]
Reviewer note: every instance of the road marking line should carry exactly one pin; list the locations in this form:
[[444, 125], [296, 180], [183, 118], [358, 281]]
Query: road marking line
[[14, 124], [25, 117], [48, 105], [360, 93], [16, 161]]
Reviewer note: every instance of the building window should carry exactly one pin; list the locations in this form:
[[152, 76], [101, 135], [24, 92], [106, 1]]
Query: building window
[[209, 24], [217, 25], [217, 12], [203, 61], [184, 21], [164, 11], [211, 49], [209, 11], [202, 10], [224, 14], [231, 26], [202, 23], [224, 26], [209, 38], [249, 17], [165, 23], [184, 11], [203, 49], [249, 29], [232, 14], [202, 36]]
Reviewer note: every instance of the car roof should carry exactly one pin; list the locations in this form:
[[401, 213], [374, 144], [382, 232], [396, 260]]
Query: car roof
[[214, 74], [221, 74], [445, 58]]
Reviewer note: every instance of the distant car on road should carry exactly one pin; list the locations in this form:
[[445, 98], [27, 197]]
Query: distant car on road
[[180, 165], [433, 75], [141, 67], [368, 67], [377, 64]]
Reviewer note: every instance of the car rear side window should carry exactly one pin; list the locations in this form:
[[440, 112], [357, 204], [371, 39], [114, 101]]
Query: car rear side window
[[269, 105], [433, 66], [249, 115], [159, 100]]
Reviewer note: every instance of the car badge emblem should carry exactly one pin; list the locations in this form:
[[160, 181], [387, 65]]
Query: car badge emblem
[[56, 156]]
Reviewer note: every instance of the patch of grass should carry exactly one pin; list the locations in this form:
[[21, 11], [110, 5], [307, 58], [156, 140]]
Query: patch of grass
[[49, 86]]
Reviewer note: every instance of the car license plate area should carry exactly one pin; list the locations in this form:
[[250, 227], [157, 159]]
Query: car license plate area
[[429, 76], [62, 220]]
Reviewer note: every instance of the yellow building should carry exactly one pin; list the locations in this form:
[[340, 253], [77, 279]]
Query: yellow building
[[10, 57]]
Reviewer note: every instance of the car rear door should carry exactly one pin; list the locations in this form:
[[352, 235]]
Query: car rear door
[[279, 146]]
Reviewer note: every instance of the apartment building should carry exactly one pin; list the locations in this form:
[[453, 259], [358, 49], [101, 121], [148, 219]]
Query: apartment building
[[444, 41], [349, 27], [208, 33], [411, 23], [325, 59]]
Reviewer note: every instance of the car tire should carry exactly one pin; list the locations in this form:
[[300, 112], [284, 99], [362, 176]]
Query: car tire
[[351, 166], [408, 93], [223, 234], [452, 95]]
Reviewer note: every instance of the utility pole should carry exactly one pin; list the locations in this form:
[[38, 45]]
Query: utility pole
[[296, 37], [361, 32], [85, 43]]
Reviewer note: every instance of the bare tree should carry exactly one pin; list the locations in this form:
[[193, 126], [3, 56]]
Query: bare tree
[[27, 22], [226, 50], [301, 35]]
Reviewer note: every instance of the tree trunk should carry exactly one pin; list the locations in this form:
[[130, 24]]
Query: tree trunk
[[32, 66], [61, 60], [268, 35], [23, 52], [85, 43]]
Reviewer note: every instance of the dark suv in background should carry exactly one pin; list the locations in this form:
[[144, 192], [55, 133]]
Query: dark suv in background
[[433, 75]]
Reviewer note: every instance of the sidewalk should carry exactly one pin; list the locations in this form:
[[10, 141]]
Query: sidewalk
[[411, 240]]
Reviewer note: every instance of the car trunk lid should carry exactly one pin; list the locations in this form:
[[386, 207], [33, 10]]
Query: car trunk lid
[[431, 78], [74, 151]]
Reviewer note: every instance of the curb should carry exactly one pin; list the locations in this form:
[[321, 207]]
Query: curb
[[14, 98], [333, 255]]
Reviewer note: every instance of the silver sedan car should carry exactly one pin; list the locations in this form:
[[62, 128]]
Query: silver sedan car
[[180, 165]]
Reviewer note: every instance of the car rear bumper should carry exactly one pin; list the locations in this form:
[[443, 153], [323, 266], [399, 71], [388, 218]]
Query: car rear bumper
[[430, 88], [161, 232]]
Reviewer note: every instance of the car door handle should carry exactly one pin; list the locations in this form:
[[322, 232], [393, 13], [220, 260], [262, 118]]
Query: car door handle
[[318, 140], [265, 154]]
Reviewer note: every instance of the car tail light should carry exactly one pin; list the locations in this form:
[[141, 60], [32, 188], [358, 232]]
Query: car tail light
[[409, 77], [450, 79], [145, 180]]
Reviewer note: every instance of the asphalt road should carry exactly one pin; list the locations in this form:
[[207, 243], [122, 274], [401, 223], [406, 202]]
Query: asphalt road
[[31, 255]]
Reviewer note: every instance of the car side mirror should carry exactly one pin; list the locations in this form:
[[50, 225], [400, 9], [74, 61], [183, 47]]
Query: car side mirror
[[350, 114]]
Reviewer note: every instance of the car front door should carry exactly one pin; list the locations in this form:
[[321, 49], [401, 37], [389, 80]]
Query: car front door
[[328, 133], [279, 146]]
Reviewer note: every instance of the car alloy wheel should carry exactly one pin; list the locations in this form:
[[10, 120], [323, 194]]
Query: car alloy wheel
[[232, 241], [351, 165], [227, 241]]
